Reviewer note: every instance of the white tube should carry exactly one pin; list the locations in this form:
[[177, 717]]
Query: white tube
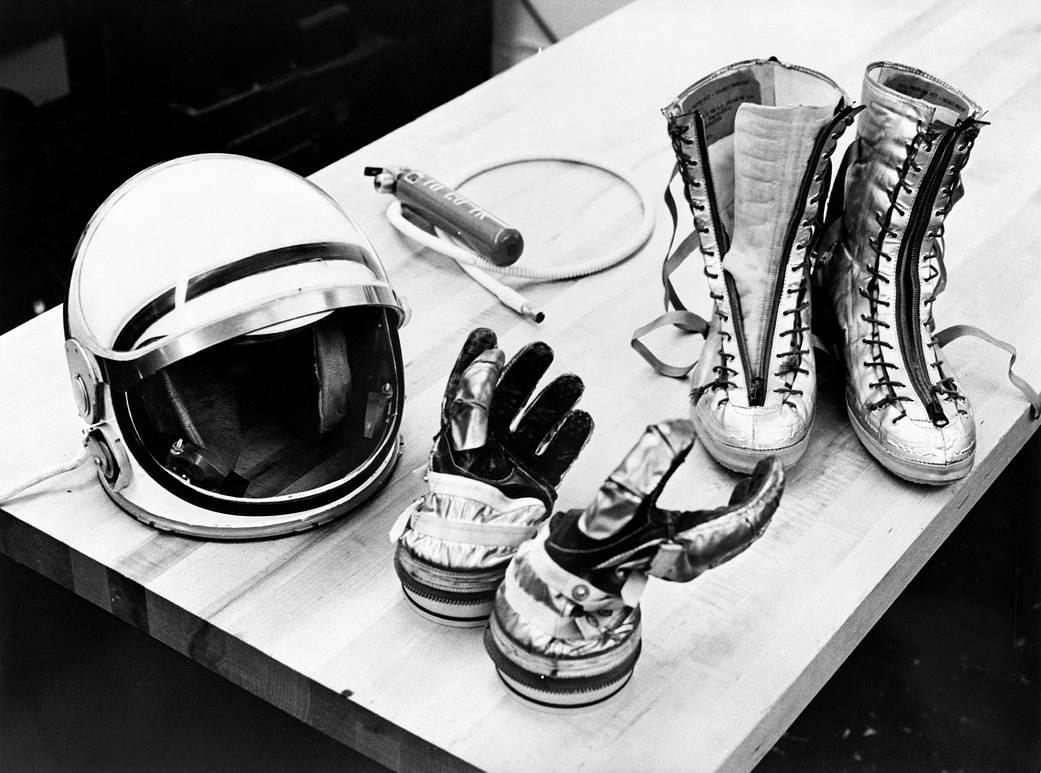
[[52, 472], [504, 293]]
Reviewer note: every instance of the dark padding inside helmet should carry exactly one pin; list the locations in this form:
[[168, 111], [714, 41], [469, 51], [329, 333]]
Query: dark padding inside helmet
[[268, 415]]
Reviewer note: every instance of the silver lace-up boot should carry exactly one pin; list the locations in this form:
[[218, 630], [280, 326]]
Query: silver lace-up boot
[[565, 631], [902, 176], [753, 143]]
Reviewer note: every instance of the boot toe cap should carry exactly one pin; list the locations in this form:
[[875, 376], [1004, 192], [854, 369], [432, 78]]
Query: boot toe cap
[[916, 449], [738, 436]]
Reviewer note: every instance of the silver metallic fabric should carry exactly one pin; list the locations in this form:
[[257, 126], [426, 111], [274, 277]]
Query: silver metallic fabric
[[469, 410], [753, 142], [477, 512], [568, 608], [884, 275], [696, 550], [634, 480], [550, 616], [492, 477]]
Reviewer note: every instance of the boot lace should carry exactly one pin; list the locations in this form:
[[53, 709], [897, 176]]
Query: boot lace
[[870, 291], [688, 164], [945, 386], [791, 360]]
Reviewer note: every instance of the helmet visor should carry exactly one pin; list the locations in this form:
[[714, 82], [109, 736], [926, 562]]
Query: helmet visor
[[279, 415]]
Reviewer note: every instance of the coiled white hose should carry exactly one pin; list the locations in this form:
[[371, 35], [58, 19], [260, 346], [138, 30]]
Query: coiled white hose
[[470, 260]]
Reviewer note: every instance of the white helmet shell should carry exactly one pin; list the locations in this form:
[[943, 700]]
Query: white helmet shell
[[232, 342]]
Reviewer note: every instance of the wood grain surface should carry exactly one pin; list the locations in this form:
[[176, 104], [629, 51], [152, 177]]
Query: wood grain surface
[[315, 623]]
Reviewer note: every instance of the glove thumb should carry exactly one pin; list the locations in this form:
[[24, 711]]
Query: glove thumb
[[641, 475]]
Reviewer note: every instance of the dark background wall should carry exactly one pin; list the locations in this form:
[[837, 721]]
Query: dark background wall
[[130, 83], [24, 22]]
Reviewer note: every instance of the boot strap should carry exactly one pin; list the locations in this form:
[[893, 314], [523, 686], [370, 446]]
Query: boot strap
[[681, 317], [687, 321], [954, 332]]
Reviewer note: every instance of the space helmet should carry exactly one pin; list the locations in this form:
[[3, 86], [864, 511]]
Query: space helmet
[[232, 342]]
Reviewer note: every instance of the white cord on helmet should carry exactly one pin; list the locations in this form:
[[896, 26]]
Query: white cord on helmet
[[51, 472]]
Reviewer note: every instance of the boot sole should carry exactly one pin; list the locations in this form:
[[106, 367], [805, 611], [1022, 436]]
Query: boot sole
[[557, 694], [915, 472], [744, 461], [457, 610]]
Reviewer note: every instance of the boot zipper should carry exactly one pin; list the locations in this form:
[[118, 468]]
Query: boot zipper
[[722, 238], [753, 383], [908, 289]]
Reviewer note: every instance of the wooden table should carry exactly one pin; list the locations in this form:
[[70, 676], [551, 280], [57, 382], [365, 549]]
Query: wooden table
[[315, 623]]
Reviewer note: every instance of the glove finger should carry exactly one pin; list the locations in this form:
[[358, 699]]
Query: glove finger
[[641, 476], [519, 378], [564, 447], [480, 340], [713, 537], [545, 412], [470, 407]]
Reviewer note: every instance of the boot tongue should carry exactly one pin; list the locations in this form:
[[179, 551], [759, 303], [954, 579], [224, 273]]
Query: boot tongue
[[772, 147]]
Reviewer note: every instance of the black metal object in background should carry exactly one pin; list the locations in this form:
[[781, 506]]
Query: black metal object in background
[[300, 83]]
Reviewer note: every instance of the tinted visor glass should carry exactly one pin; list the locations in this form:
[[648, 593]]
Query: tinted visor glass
[[274, 414]]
